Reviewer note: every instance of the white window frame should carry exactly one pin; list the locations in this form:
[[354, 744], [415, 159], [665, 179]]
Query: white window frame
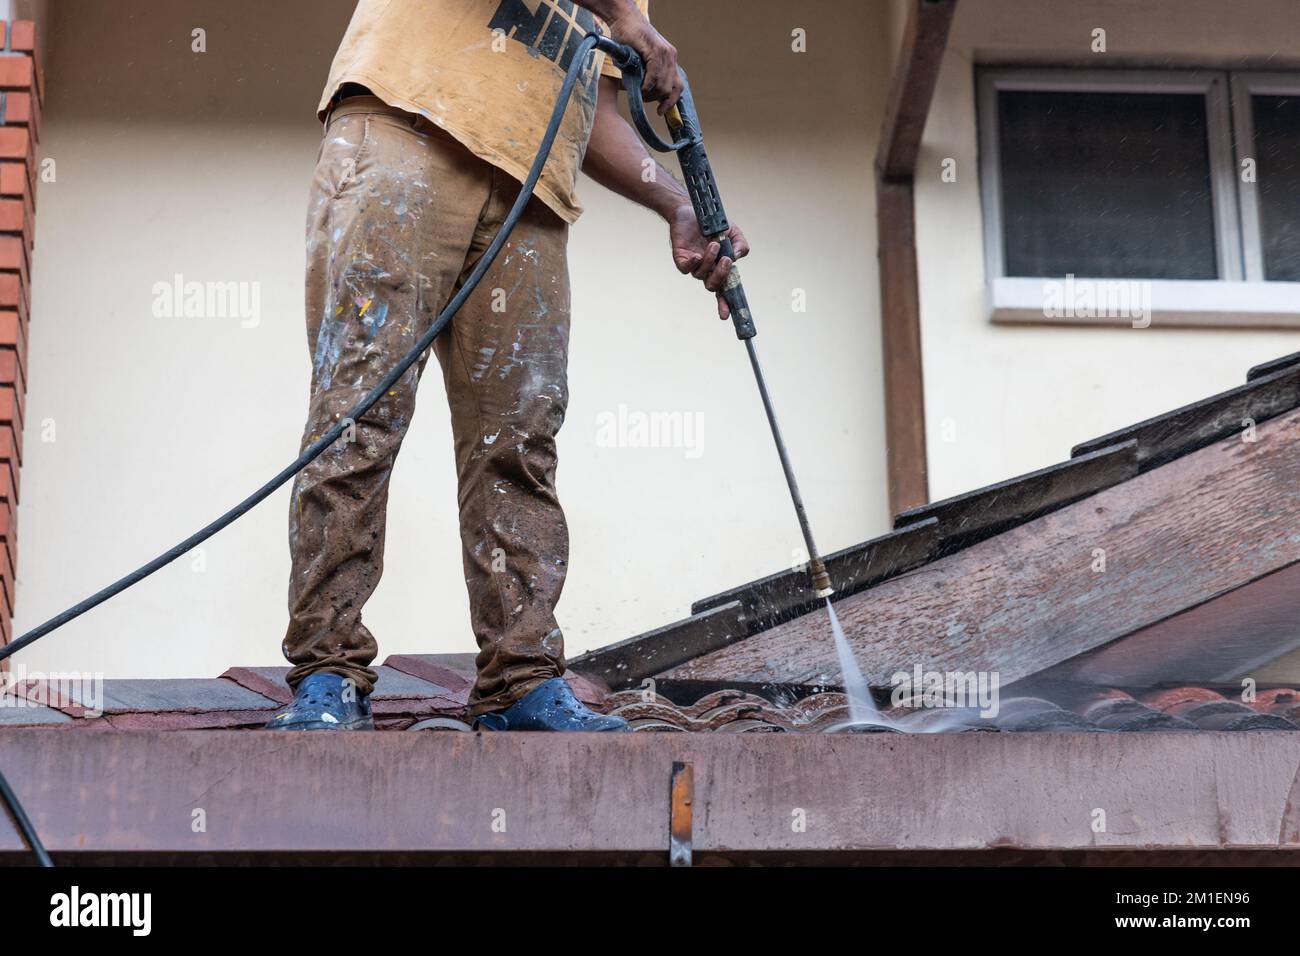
[[1239, 297], [1244, 86]]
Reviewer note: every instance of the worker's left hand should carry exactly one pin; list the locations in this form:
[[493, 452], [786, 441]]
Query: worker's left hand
[[694, 254]]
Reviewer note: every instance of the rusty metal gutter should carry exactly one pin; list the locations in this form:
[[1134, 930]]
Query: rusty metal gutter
[[198, 795]]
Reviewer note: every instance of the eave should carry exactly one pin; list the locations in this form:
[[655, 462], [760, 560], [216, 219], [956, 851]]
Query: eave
[[114, 797]]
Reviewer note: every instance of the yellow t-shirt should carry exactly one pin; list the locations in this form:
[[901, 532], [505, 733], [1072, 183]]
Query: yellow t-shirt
[[486, 71]]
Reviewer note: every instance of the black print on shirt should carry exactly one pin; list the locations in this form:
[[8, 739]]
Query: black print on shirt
[[553, 29]]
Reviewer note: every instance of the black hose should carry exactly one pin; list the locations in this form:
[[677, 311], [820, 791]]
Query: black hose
[[314, 450], [24, 824]]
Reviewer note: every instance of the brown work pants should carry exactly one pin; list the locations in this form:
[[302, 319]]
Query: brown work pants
[[399, 215]]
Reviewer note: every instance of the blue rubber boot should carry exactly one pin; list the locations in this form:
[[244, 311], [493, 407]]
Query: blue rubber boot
[[550, 706], [325, 702]]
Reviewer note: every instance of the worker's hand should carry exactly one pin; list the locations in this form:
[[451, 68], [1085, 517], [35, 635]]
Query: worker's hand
[[695, 255], [663, 83]]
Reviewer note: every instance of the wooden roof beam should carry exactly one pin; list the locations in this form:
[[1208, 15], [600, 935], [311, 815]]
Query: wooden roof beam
[[924, 40]]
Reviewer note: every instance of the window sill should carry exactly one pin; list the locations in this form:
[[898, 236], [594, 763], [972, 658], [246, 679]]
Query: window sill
[[1140, 303]]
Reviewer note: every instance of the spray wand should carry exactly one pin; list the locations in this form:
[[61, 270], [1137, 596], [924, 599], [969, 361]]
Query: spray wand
[[697, 173]]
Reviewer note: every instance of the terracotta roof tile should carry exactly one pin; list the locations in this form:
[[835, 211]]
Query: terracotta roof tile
[[245, 697], [187, 695], [1093, 710], [1282, 701], [20, 712], [170, 704]]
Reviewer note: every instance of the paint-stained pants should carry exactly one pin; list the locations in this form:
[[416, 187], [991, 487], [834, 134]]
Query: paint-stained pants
[[399, 215]]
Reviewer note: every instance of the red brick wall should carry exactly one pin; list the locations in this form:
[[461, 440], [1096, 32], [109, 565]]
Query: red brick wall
[[22, 89]]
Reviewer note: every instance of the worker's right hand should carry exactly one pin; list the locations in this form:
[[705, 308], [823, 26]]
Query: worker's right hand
[[695, 254], [663, 81]]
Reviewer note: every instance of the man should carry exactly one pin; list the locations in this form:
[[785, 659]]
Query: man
[[433, 113]]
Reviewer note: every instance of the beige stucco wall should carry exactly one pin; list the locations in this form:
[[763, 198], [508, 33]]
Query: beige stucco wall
[[174, 162], [1015, 399]]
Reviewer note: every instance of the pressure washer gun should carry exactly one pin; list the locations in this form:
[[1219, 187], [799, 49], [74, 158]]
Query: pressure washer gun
[[688, 143]]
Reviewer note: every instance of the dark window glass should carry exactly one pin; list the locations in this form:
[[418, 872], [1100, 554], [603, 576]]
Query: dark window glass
[[1106, 185], [1277, 152]]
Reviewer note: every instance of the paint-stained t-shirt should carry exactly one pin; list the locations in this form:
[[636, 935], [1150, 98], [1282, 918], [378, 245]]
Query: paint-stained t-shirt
[[486, 71]]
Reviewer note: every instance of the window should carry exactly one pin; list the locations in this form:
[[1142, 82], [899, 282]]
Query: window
[[1185, 181], [1267, 110]]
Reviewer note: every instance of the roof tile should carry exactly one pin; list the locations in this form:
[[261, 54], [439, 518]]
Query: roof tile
[[1087, 709], [20, 712]]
